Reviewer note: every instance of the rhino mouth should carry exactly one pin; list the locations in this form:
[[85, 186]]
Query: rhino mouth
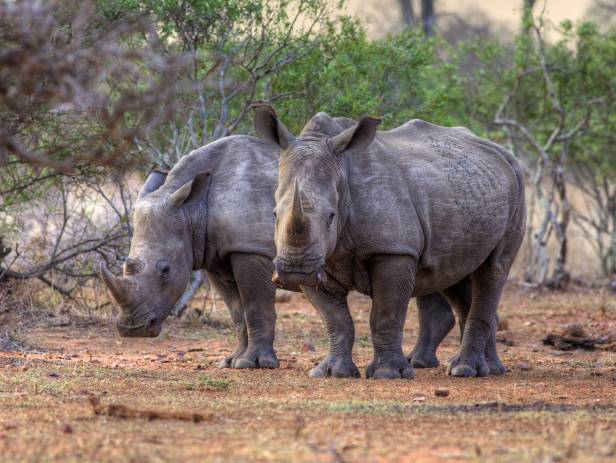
[[146, 325], [127, 327], [311, 273]]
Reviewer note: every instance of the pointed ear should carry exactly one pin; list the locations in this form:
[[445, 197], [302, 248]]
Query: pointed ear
[[191, 190], [154, 181], [269, 127], [356, 138]]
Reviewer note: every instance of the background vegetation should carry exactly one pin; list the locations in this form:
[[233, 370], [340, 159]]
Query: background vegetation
[[93, 94]]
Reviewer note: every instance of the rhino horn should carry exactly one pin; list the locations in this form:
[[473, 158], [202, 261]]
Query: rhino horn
[[296, 224], [297, 211], [118, 286]]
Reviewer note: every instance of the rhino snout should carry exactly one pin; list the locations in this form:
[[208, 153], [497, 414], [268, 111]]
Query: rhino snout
[[151, 328]]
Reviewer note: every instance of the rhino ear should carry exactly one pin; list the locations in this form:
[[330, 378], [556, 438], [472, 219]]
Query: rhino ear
[[269, 127], [152, 183], [194, 189], [356, 138]]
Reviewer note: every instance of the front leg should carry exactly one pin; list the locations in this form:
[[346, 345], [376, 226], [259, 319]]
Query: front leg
[[252, 274], [393, 280], [334, 311], [226, 287]]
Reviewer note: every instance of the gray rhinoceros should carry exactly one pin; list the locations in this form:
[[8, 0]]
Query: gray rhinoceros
[[213, 211], [421, 210]]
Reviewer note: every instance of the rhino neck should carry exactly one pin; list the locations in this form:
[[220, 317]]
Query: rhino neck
[[198, 230]]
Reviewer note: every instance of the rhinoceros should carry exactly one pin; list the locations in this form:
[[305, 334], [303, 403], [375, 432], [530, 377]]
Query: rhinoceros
[[212, 211], [421, 210]]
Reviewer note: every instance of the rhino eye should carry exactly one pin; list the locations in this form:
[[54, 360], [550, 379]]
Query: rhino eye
[[163, 268], [330, 219]]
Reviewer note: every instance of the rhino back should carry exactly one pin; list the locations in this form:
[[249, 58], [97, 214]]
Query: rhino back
[[240, 196], [241, 199], [441, 194]]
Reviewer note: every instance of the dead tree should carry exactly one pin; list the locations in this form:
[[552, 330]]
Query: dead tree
[[548, 180]]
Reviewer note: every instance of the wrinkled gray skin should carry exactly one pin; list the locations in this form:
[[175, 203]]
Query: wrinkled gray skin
[[213, 212], [421, 210]]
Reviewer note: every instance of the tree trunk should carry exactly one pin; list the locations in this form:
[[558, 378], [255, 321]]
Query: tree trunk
[[407, 13], [428, 18], [539, 262], [612, 246], [560, 277]]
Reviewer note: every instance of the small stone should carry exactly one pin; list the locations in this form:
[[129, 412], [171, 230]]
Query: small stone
[[419, 398], [53, 375], [505, 337], [308, 347], [67, 429], [441, 392], [574, 329], [524, 366]]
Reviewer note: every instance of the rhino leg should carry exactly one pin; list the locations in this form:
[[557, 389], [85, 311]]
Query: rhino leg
[[393, 279], [253, 275], [335, 313], [435, 321], [460, 296], [226, 287], [478, 355]]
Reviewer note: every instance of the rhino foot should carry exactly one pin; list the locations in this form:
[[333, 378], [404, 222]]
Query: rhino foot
[[468, 367], [227, 362], [256, 357], [390, 368], [335, 367], [423, 360], [496, 367]]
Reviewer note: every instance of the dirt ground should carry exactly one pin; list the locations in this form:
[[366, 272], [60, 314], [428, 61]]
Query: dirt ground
[[551, 406]]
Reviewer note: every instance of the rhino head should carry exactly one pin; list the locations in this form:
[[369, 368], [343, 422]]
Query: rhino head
[[312, 198], [167, 244]]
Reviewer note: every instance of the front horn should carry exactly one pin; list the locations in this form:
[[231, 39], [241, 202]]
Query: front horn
[[118, 286], [297, 211]]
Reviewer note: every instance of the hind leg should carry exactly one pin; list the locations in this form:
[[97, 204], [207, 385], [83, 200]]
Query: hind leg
[[487, 285], [435, 321], [460, 297]]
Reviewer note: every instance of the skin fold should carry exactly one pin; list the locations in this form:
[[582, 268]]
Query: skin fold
[[419, 211]]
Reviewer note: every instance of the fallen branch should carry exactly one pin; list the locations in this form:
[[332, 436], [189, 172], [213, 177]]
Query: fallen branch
[[124, 412]]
